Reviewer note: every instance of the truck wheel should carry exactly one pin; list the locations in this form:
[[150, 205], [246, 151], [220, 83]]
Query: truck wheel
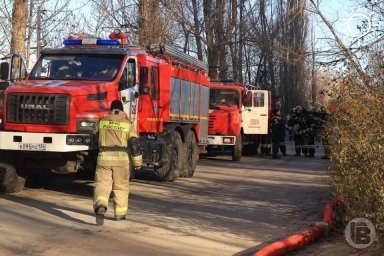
[[170, 171], [236, 151], [10, 182], [191, 155]]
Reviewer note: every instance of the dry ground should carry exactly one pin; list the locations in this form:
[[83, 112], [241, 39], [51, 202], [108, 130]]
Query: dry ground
[[227, 208]]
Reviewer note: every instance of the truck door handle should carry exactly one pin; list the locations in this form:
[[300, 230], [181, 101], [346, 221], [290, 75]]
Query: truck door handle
[[263, 114]]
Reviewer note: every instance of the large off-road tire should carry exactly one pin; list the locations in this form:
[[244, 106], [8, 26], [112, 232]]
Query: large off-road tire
[[191, 155], [10, 182], [87, 165], [170, 170], [237, 149]]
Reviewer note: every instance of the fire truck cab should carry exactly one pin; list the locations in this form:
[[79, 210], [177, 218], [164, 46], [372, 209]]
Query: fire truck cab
[[48, 118]]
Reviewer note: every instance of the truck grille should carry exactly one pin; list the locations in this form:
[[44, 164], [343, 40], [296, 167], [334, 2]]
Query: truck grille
[[33, 108], [211, 122]]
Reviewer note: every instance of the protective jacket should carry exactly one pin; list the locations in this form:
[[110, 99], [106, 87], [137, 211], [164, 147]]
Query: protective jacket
[[114, 131]]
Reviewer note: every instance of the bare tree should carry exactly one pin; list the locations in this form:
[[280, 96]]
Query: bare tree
[[19, 26], [343, 48]]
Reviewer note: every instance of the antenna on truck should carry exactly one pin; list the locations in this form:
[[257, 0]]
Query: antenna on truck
[[178, 55]]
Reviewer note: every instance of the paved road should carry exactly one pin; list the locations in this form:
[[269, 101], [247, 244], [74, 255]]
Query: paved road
[[227, 208]]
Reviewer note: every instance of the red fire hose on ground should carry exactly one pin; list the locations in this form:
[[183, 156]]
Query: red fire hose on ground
[[306, 237]]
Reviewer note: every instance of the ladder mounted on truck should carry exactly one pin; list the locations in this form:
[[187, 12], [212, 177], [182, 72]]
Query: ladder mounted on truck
[[231, 82], [177, 56]]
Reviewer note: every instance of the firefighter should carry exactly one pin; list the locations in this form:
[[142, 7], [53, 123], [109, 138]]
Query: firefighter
[[278, 133], [296, 124], [289, 116], [308, 134], [116, 136]]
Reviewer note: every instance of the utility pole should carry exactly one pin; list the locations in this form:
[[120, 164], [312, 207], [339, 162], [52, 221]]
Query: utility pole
[[38, 37], [39, 40], [313, 82]]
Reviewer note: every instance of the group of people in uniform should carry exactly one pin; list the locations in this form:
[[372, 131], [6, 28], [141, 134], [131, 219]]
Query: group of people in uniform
[[303, 126]]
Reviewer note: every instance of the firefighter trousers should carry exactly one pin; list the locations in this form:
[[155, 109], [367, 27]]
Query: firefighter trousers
[[298, 142], [112, 179]]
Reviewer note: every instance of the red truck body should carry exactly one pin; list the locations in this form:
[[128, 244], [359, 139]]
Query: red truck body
[[48, 118]]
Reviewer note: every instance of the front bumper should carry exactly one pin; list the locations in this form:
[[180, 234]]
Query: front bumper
[[44, 142], [220, 140]]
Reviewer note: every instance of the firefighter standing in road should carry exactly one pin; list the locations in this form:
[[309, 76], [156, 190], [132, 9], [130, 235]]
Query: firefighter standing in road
[[278, 133], [308, 133], [116, 136], [296, 124]]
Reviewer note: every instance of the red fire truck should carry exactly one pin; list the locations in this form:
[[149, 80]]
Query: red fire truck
[[49, 117], [237, 116]]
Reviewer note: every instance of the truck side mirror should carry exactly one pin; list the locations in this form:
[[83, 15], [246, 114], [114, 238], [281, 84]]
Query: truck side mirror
[[4, 71], [143, 75]]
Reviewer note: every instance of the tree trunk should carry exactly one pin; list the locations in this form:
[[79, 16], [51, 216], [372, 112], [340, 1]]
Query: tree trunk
[[220, 39], [142, 21], [241, 43], [19, 26], [209, 33], [197, 29]]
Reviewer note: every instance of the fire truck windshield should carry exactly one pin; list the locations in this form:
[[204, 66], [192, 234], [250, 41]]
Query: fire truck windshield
[[77, 67], [223, 97]]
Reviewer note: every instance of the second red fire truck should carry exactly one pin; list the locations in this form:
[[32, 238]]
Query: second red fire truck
[[237, 116]]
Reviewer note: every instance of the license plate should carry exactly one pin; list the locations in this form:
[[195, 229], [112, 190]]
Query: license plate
[[33, 146]]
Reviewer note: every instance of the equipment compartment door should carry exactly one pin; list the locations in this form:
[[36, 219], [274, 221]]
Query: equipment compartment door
[[255, 112]]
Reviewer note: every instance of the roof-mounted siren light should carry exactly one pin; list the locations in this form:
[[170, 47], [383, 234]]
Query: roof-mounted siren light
[[118, 35], [73, 40]]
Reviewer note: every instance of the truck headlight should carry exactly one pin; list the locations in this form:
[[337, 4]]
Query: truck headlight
[[227, 140], [86, 125], [79, 139]]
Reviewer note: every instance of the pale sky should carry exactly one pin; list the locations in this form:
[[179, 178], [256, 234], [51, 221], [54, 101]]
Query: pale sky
[[344, 15]]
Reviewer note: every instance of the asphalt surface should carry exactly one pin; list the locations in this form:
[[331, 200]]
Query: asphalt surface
[[227, 208]]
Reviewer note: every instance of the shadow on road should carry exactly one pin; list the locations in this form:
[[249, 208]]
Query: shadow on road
[[53, 209]]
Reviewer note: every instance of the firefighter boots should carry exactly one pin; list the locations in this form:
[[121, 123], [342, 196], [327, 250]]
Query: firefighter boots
[[100, 211], [117, 218]]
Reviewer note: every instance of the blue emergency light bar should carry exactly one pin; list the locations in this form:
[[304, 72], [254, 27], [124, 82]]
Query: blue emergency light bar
[[108, 42]]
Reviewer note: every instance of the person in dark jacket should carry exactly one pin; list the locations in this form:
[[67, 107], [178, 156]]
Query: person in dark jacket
[[278, 132]]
